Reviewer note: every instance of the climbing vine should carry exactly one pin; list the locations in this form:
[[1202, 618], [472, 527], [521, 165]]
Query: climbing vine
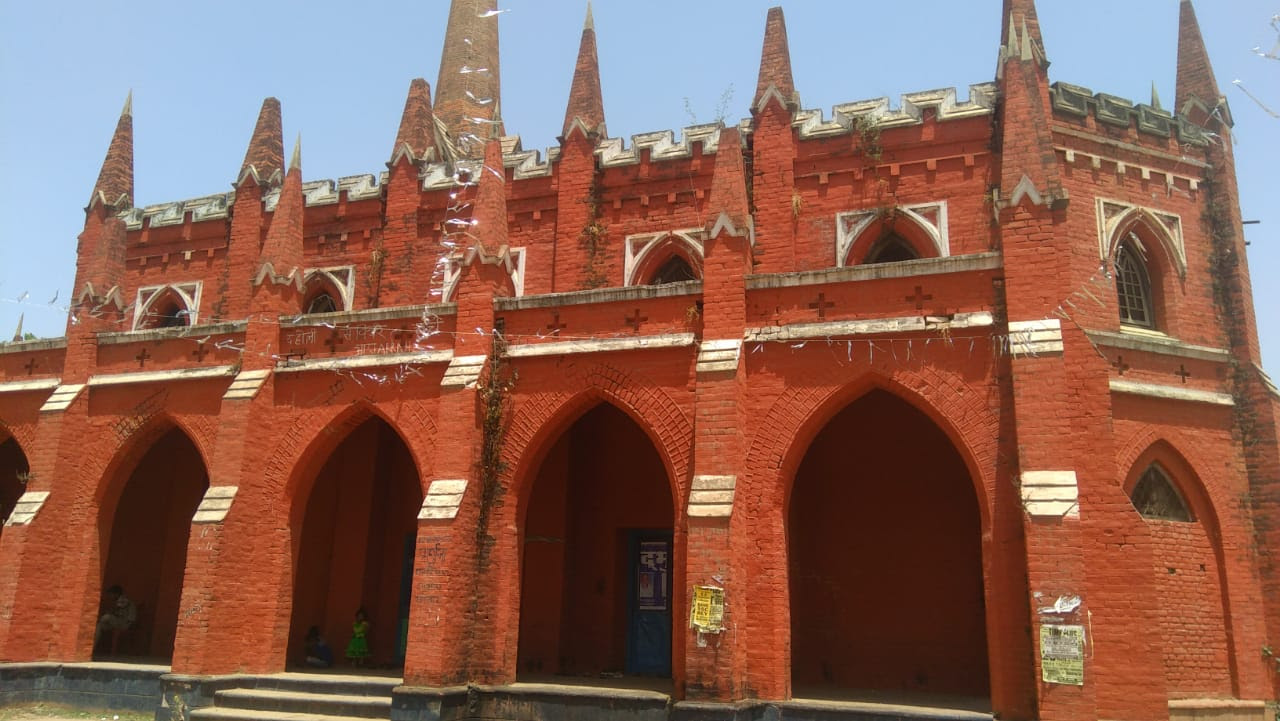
[[593, 239], [495, 390]]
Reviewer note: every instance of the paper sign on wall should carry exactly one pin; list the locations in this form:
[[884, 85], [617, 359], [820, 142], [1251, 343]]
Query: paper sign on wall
[[1062, 654], [707, 612]]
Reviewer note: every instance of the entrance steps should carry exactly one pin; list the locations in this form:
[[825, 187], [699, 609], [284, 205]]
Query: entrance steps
[[302, 697]]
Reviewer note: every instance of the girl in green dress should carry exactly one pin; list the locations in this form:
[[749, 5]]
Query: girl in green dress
[[358, 647]]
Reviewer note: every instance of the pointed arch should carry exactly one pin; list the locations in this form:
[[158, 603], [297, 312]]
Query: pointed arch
[[646, 254], [329, 290], [167, 306], [15, 468], [920, 229]]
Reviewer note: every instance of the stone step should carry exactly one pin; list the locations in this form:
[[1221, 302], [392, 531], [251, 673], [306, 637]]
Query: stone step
[[326, 683], [325, 704], [212, 713]]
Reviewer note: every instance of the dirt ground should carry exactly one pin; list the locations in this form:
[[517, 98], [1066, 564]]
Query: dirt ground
[[50, 712]]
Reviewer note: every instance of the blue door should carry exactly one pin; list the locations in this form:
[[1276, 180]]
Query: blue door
[[649, 603]]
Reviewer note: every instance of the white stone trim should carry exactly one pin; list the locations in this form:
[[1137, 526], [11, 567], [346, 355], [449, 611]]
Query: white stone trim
[[1114, 214], [1155, 342], [216, 504], [1050, 494], [246, 385], [453, 272], [365, 361], [872, 326], [601, 345], [189, 292], [1267, 382], [639, 247], [845, 117], [62, 397], [719, 356], [712, 496], [1172, 393], [1035, 337], [930, 217], [464, 371], [343, 278], [25, 510], [444, 498], [876, 271], [177, 374], [39, 384]]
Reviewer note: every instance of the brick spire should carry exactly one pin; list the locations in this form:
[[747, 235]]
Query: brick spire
[[775, 65], [469, 85], [586, 102], [490, 214], [1196, 85], [1029, 167], [115, 181], [282, 252], [727, 206], [417, 135], [265, 155]]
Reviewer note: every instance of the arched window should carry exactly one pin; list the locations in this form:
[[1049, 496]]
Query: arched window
[[890, 249], [169, 315], [322, 302], [1133, 284], [1155, 497], [675, 270]]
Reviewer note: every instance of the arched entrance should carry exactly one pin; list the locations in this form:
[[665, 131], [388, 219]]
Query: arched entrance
[[885, 560], [596, 585], [13, 476], [146, 555], [354, 549]]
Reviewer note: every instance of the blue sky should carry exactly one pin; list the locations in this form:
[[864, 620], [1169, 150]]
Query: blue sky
[[199, 72]]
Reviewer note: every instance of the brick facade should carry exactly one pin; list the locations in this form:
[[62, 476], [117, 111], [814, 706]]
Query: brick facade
[[900, 473]]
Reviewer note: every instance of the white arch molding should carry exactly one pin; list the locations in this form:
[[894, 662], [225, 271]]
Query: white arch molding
[[930, 217]]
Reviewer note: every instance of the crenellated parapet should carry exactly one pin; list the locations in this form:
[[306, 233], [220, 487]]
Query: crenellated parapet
[[877, 113], [1123, 113]]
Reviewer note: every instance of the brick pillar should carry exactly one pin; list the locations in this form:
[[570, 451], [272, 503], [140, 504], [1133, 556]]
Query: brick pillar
[[406, 279], [572, 262]]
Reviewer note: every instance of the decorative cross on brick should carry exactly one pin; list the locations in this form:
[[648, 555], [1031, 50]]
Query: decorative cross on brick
[[31, 366], [919, 297], [556, 326], [635, 320], [200, 352], [335, 338], [142, 357], [1120, 365], [821, 305], [1183, 373]]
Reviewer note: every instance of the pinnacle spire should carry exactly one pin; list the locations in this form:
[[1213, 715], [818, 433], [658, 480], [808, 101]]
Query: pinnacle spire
[[728, 197], [469, 84], [417, 134], [17, 334], [283, 246], [1022, 33], [1155, 97], [775, 63], [586, 102], [490, 215], [266, 148], [1195, 74], [115, 180]]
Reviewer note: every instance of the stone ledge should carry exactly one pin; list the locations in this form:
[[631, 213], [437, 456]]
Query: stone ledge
[[110, 686], [38, 384], [160, 334], [1156, 344], [1171, 393], [600, 295], [402, 312], [878, 271], [26, 346], [603, 345]]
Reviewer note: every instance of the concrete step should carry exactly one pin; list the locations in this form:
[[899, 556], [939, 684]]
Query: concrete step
[[327, 683], [325, 704]]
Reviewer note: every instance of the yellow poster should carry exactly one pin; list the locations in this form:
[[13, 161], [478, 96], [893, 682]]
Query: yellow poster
[[1062, 654], [706, 613]]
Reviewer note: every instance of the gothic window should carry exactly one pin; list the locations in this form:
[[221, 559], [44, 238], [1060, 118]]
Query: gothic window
[[1133, 284], [322, 302], [168, 315], [1155, 497], [890, 249], [675, 270]]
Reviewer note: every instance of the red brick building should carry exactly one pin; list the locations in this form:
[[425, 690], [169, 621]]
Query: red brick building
[[956, 402]]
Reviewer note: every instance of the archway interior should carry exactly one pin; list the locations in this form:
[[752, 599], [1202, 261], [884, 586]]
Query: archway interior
[[596, 589], [147, 553], [13, 473], [885, 557], [356, 548]]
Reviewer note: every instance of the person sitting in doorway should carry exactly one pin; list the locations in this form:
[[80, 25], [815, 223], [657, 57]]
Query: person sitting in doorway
[[319, 655], [119, 615]]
